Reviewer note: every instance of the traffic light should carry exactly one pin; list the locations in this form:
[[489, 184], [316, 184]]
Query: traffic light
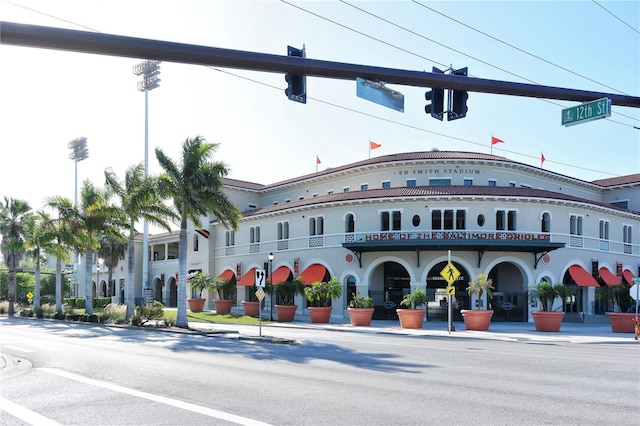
[[436, 96], [458, 99], [297, 84]]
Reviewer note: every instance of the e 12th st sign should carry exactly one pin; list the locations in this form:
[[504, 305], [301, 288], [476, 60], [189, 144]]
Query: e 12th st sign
[[587, 111]]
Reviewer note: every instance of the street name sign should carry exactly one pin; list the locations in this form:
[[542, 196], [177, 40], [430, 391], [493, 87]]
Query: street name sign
[[586, 112], [378, 93]]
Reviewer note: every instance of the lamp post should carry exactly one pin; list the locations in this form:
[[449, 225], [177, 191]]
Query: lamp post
[[149, 70], [98, 279], [79, 152], [273, 290]]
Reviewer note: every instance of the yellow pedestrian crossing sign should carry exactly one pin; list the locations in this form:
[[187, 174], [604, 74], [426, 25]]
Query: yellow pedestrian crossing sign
[[450, 273]]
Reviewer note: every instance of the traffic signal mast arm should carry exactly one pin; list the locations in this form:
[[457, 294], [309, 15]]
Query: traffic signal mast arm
[[113, 45]]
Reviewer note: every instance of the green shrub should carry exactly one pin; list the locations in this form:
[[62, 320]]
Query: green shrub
[[169, 322], [154, 312], [47, 300], [101, 302], [39, 312], [4, 307], [136, 320]]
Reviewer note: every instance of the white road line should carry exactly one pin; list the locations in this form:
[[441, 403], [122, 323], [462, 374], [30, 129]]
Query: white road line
[[26, 415], [156, 398]]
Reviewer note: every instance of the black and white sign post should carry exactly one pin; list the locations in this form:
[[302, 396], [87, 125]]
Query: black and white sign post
[[261, 279]]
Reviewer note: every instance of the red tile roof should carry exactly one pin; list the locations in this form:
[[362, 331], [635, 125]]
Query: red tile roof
[[427, 192], [619, 180]]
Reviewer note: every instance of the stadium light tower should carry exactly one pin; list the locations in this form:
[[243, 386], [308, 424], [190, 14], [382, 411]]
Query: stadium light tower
[[79, 152], [149, 70]]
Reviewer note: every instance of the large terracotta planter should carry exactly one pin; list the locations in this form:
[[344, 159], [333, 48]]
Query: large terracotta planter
[[320, 314], [547, 321], [622, 322], [196, 305], [251, 309], [477, 320], [411, 318], [223, 306], [286, 313], [360, 316]]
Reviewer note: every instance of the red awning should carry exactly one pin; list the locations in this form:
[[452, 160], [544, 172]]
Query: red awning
[[582, 277], [608, 278], [280, 275], [628, 276], [313, 274], [227, 275], [248, 279]]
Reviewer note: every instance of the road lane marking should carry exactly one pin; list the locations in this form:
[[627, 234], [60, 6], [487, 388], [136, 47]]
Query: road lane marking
[[26, 415], [156, 398], [17, 348]]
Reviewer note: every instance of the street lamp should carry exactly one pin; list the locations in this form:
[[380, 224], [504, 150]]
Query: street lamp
[[98, 280], [273, 290], [79, 152], [149, 70]]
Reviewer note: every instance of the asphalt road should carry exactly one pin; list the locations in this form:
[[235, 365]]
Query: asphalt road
[[87, 374]]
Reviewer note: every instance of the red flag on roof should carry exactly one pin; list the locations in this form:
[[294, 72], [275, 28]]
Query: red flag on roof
[[542, 159], [373, 145], [318, 160], [495, 140]]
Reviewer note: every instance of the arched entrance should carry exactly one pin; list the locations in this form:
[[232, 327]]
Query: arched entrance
[[158, 290], [510, 301], [574, 303], [390, 281], [173, 293], [437, 309]]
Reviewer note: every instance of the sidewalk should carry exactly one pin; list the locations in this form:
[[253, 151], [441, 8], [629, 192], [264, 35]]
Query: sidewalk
[[505, 331]]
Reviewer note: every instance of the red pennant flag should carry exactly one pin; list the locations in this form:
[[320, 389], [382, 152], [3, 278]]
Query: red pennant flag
[[542, 159], [318, 160], [495, 140], [373, 145]]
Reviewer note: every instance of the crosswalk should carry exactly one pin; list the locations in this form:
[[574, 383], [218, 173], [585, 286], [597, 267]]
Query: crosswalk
[[16, 344]]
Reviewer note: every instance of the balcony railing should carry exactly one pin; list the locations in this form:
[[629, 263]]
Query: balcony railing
[[332, 241]]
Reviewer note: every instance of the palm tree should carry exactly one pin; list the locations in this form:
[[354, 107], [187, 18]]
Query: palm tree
[[139, 200], [111, 250], [34, 245], [16, 218], [93, 217], [195, 186]]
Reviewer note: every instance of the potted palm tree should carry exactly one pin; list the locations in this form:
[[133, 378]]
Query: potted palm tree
[[622, 320], [546, 319], [413, 316], [360, 310], [200, 282], [226, 290], [479, 319], [286, 298], [320, 295], [251, 306]]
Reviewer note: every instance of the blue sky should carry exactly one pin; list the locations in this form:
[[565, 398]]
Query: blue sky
[[50, 97]]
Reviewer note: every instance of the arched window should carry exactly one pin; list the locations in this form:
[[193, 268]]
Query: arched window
[[546, 222], [349, 224]]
